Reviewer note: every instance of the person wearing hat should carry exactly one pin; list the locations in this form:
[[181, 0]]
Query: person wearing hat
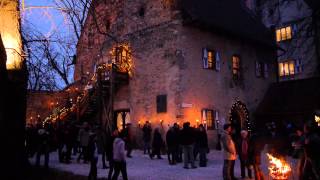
[[243, 147]]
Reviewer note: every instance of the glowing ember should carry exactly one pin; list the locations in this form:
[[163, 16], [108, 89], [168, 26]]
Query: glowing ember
[[278, 169]]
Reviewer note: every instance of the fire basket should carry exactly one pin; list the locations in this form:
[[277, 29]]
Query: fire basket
[[278, 168]]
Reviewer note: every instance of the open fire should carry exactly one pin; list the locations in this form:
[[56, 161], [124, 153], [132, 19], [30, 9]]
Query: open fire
[[278, 168]]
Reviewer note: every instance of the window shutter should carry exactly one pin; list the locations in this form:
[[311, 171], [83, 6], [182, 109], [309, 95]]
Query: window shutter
[[298, 66], [205, 58], [216, 118], [294, 30], [258, 69], [218, 60], [265, 70]]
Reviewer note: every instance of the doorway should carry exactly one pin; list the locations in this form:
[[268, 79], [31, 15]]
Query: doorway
[[239, 118], [121, 118]]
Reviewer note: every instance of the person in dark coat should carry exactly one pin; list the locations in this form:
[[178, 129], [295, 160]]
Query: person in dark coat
[[156, 144], [177, 130], [43, 146], [101, 145], [187, 140], [147, 130], [128, 139], [91, 157], [202, 145], [172, 144], [257, 143], [243, 151], [311, 168]]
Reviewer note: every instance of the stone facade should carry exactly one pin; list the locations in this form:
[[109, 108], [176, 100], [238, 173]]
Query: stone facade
[[301, 48], [167, 57]]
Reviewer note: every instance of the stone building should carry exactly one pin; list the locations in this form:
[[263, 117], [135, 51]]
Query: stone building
[[295, 26], [295, 99], [206, 61]]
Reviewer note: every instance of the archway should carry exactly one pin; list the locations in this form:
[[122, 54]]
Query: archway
[[239, 117]]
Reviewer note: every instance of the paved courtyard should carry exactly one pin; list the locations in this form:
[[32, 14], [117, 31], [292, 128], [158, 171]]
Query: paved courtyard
[[141, 167]]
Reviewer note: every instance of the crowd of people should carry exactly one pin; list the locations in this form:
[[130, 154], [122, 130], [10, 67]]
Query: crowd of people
[[184, 145]]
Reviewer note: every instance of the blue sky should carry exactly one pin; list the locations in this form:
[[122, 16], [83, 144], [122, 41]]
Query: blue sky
[[47, 20]]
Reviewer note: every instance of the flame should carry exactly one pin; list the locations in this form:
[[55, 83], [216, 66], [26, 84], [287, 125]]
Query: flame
[[278, 169]]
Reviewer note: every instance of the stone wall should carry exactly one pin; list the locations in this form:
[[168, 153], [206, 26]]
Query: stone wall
[[277, 14]]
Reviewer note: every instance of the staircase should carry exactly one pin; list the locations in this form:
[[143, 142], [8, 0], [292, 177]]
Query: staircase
[[96, 104]]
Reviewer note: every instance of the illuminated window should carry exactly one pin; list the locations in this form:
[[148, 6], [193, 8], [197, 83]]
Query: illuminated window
[[286, 68], [284, 33], [209, 59], [236, 67], [208, 118]]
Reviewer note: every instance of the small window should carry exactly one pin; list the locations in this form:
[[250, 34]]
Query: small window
[[141, 12], [262, 69], [161, 103], [236, 67], [211, 59], [284, 33], [208, 118], [286, 68]]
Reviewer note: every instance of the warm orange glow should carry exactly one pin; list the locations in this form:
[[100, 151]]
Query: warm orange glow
[[10, 33], [278, 169], [286, 68], [284, 33], [317, 119], [121, 56]]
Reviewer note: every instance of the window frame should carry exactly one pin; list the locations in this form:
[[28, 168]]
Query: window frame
[[210, 124], [285, 68], [237, 75], [283, 34]]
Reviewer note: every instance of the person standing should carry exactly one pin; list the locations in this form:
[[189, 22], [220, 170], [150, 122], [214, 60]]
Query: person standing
[[101, 145], [229, 153], [147, 130], [202, 145], [84, 134], [187, 137], [43, 146], [156, 144], [172, 144], [109, 149], [128, 139], [311, 168], [119, 158], [257, 144], [92, 157], [244, 155]]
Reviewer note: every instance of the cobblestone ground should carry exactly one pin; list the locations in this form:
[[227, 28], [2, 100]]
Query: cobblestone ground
[[141, 167]]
